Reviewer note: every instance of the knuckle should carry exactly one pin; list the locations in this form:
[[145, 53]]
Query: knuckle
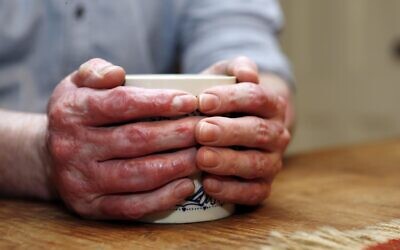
[[117, 99], [264, 165], [131, 209], [243, 59], [135, 134], [135, 211], [256, 166], [233, 133], [178, 166], [60, 148], [76, 197], [275, 169], [282, 104], [185, 130], [285, 139], [74, 184], [259, 99], [114, 99], [261, 166], [220, 66], [65, 111], [268, 132], [83, 209], [97, 60], [264, 132], [152, 173], [257, 96], [258, 195], [56, 114], [257, 171], [92, 61], [166, 202], [91, 104], [119, 92], [86, 68], [182, 165]]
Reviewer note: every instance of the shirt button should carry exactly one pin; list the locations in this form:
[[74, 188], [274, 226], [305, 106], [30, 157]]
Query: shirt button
[[79, 12]]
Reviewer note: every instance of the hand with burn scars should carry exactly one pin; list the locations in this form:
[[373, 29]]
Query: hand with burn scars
[[243, 176], [106, 163]]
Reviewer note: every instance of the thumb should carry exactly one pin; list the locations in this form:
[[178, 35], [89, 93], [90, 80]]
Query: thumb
[[243, 68], [99, 74]]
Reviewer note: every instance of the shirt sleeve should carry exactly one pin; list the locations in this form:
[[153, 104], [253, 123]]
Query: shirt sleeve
[[18, 19], [218, 30]]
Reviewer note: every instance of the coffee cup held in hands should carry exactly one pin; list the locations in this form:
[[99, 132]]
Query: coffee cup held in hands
[[199, 206]]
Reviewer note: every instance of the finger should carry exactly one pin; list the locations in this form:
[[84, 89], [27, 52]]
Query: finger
[[249, 164], [99, 74], [139, 139], [248, 131], [135, 206], [142, 174], [243, 68], [120, 104], [247, 98], [284, 141], [227, 189]]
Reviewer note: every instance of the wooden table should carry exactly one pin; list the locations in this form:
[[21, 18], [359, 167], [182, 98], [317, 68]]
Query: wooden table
[[348, 187]]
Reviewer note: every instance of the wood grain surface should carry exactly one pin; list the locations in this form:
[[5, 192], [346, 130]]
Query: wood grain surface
[[349, 187]]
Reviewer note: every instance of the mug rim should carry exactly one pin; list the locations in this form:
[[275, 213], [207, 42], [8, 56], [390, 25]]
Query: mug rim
[[177, 77]]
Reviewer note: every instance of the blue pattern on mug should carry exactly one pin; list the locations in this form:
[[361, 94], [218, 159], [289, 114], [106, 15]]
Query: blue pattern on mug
[[199, 200]]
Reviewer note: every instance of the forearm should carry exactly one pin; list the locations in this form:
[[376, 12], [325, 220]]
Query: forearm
[[275, 83], [24, 159]]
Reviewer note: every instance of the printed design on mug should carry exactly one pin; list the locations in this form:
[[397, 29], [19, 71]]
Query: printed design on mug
[[198, 201]]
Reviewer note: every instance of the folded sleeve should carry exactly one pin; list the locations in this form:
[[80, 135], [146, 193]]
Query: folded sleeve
[[217, 30]]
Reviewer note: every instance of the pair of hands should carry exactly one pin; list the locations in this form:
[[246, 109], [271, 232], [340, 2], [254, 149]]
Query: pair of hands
[[107, 164]]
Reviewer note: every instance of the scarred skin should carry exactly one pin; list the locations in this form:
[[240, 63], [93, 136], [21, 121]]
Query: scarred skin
[[103, 170], [95, 150]]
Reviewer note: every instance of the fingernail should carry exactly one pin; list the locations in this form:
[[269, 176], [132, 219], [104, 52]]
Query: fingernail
[[208, 102], [103, 71], [208, 132], [85, 69], [210, 159], [213, 186], [184, 189], [184, 103]]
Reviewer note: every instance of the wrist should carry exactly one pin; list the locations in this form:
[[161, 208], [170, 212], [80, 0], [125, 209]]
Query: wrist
[[24, 158], [46, 188]]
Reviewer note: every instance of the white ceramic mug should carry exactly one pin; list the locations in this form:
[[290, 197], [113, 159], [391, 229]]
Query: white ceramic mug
[[199, 206]]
